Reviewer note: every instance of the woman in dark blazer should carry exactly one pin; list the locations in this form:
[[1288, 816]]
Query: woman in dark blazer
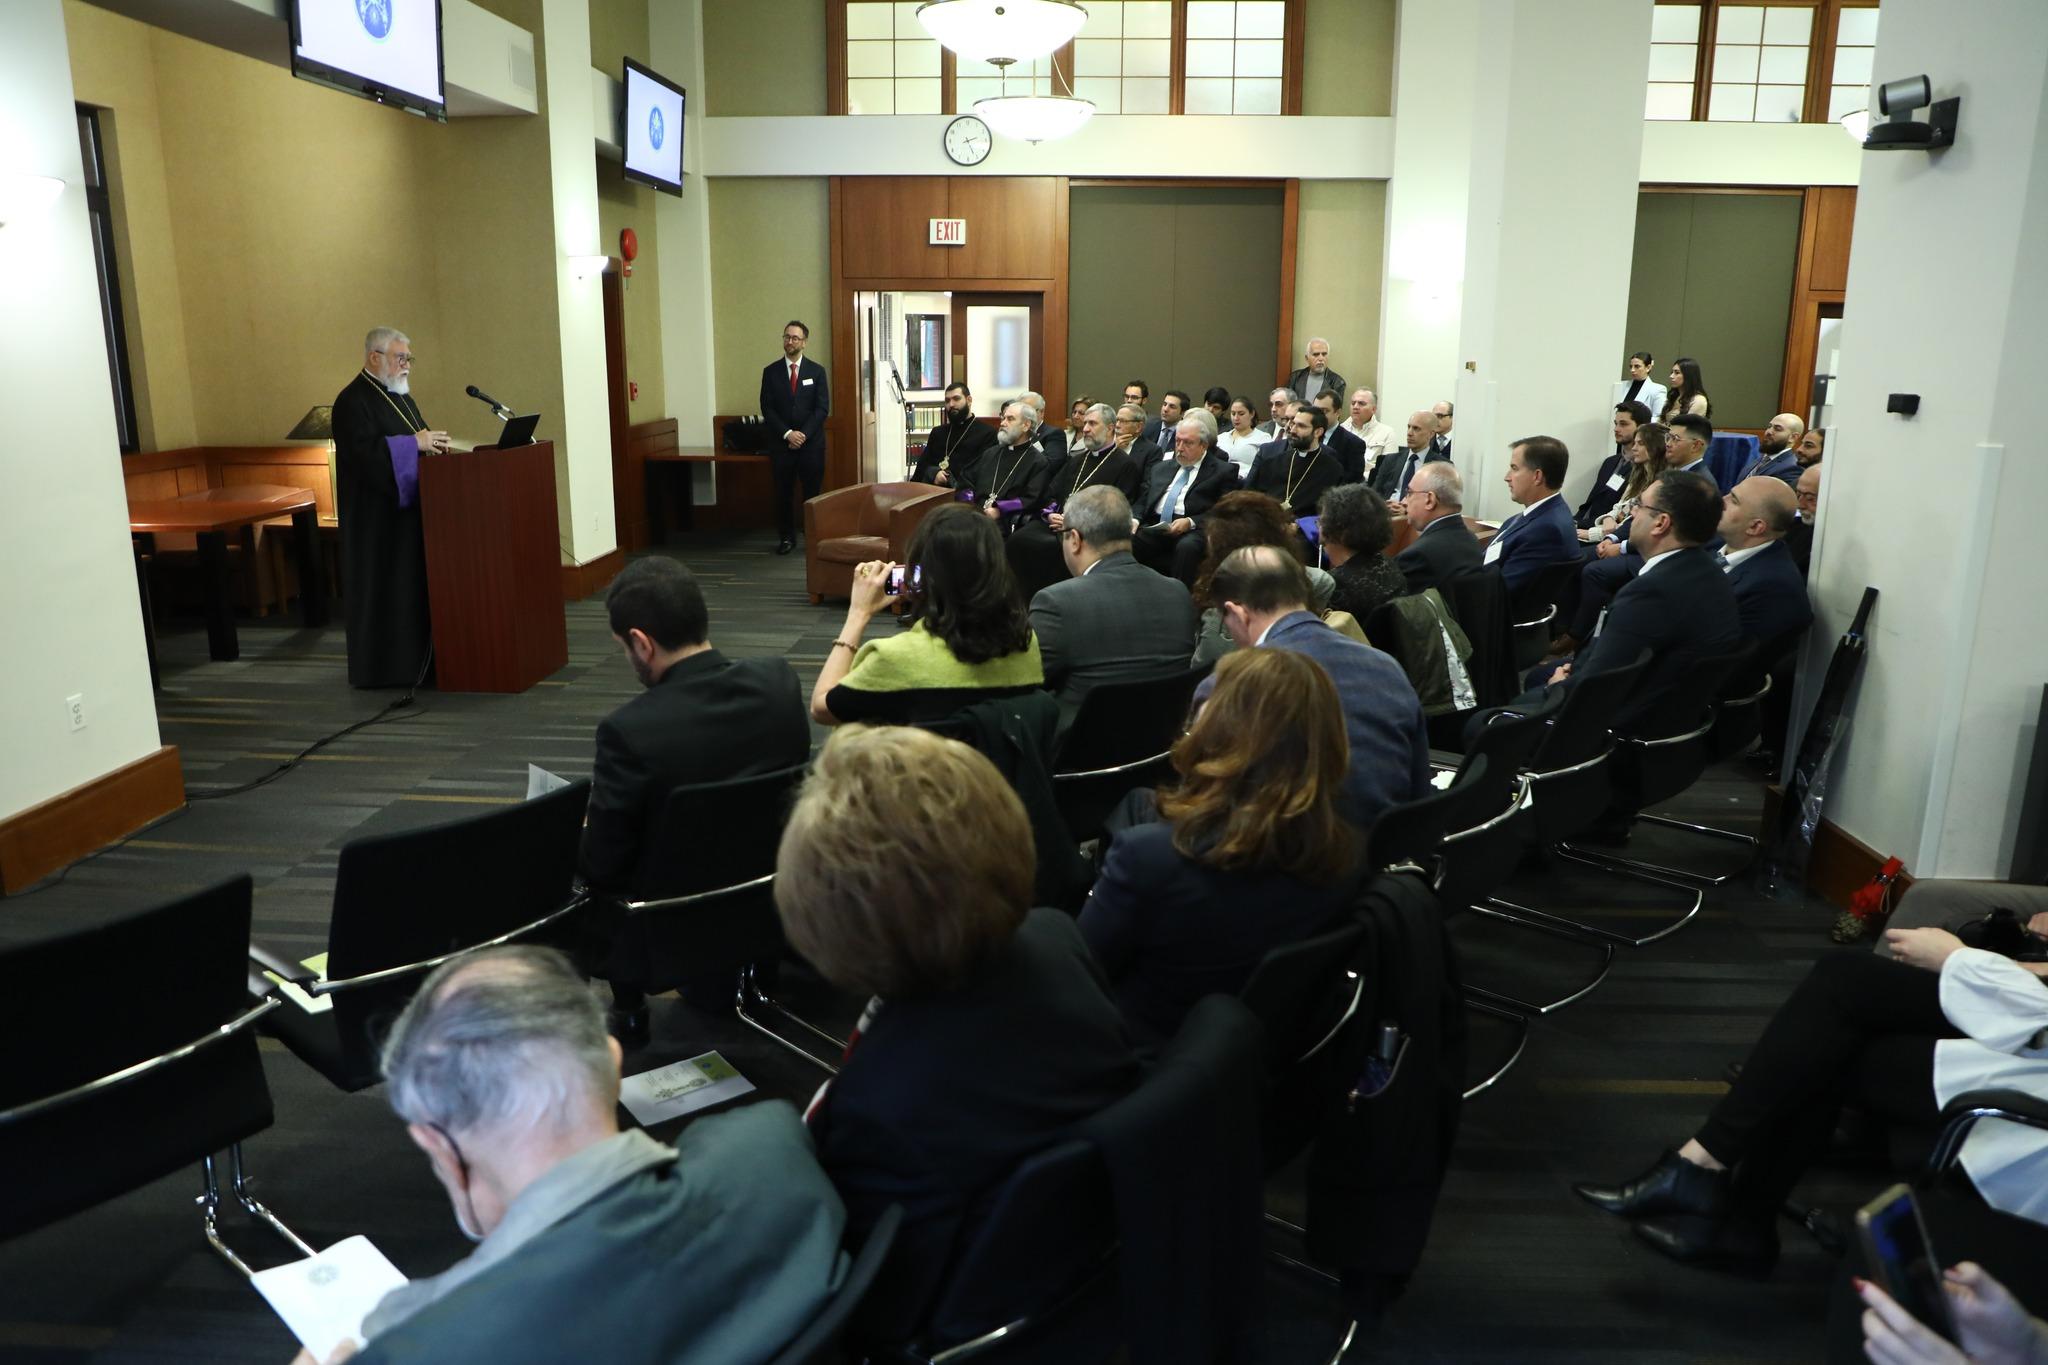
[[987, 1035], [1249, 853]]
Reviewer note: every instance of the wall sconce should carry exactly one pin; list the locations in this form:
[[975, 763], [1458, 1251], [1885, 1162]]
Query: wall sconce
[[24, 196], [588, 267]]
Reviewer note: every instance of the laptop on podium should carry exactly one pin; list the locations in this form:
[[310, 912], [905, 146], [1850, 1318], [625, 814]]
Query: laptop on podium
[[518, 431]]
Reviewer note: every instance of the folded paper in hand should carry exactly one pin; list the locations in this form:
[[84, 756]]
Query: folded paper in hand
[[325, 1298]]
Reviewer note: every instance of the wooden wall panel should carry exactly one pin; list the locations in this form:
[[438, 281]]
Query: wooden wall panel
[[1825, 225], [882, 228], [1833, 210], [45, 837], [1007, 218]]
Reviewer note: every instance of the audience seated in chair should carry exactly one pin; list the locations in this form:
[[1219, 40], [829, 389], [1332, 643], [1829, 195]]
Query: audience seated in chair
[[1611, 478], [1114, 619], [1444, 547], [1014, 476], [1262, 594], [1034, 546], [1807, 493], [1777, 455], [501, 1069], [1296, 475], [1240, 519], [1398, 465], [988, 1032], [954, 451], [1176, 499], [971, 642], [1770, 594], [703, 717], [1355, 529], [1897, 1038], [1680, 606], [1250, 851], [1541, 534]]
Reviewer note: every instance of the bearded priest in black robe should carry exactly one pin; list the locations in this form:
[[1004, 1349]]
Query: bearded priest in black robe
[[383, 549]]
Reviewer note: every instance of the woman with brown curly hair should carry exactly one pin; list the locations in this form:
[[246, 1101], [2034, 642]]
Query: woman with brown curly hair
[[1250, 851], [1237, 520]]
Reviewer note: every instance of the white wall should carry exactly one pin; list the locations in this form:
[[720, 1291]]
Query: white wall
[[1748, 153], [583, 457], [1548, 249], [682, 225], [1947, 287], [68, 607], [1200, 146]]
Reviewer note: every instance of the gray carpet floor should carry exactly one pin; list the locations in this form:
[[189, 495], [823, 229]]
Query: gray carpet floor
[[1517, 1269]]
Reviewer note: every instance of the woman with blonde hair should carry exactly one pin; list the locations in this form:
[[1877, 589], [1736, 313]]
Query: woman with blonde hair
[[1250, 851]]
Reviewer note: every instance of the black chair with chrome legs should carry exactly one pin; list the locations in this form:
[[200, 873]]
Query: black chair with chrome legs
[[704, 906], [822, 1342], [1119, 741], [1532, 610], [1738, 725], [405, 903], [105, 1101], [1655, 767]]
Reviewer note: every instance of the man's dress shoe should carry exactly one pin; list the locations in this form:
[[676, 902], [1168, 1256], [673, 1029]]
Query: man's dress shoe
[[1672, 1186], [1741, 1245]]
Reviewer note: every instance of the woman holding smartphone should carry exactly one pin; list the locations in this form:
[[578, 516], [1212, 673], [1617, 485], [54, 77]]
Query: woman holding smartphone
[[1897, 1036]]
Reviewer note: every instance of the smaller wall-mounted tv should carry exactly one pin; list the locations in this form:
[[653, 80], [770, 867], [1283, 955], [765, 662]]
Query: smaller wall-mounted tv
[[383, 50], [653, 135]]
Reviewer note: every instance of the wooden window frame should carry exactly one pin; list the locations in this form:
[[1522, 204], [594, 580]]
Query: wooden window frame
[[1820, 51], [1294, 39]]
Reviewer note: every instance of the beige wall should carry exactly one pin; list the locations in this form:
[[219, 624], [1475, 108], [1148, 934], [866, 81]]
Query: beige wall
[[764, 57], [618, 29], [770, 262], [113, 67], [268, 223], [1339, 246], [1348, 58]]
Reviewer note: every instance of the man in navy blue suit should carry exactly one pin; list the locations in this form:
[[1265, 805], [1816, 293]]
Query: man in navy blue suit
[[1770, 594], [1542, 533], [1777, 454], [794, 405], [1264, 594]]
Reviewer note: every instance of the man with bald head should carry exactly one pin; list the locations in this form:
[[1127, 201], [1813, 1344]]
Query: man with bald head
[[1770, 595], [1364, 423], [1390, 479], [1777, 453]]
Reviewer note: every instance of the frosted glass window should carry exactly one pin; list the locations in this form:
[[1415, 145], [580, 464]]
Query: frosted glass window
[[1759, 63], [1123, 56], [892, 64], [1858, 29], [1674, 58], [1852, 65], [1233, 56], [1849, 82]]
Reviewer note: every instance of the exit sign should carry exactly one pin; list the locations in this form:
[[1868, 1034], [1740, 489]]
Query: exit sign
[[949, 232]]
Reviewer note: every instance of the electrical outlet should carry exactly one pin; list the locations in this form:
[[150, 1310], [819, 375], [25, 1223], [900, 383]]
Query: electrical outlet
[[74, 706]]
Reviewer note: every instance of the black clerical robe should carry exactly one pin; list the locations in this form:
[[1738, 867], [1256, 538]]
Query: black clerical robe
[[959, 447], [383, 549]]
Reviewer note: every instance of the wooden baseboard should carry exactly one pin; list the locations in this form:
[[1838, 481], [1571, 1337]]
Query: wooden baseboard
[[581, 580], [1841, 864], [63, 829]]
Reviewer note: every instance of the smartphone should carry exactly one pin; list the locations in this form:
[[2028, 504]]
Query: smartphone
[[894, 586], [1896, 1248]]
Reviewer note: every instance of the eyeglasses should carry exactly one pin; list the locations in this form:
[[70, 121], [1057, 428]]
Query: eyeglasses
[[794, 336], [1652, 508], [395, 357]]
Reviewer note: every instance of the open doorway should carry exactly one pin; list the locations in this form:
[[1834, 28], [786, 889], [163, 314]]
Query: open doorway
[[914, 343]]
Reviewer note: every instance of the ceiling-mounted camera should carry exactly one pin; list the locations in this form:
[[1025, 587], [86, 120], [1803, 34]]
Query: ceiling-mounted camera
[[1901, 132]]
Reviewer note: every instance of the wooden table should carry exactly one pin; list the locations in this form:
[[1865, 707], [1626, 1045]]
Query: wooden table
[[208, 516], [657, 492]]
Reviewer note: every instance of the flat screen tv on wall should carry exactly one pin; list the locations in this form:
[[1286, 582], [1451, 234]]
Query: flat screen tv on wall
[[653, 135], [383, 50]]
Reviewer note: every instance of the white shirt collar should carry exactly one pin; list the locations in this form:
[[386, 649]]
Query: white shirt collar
[[1685, 468], [1654, 560], [1538, 503], [1737, 556]]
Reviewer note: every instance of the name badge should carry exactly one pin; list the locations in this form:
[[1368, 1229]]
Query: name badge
[[1614, 481], [808, 382]]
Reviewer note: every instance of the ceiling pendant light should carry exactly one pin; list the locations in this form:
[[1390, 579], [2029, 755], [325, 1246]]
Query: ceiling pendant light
[[1034, 118], [987, 30]]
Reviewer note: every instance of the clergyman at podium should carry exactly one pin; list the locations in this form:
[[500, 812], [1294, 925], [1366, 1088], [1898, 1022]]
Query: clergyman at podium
[[794, 406], [379, 437]]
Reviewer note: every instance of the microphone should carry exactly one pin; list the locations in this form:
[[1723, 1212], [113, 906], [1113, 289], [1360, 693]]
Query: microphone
[[502, 412]]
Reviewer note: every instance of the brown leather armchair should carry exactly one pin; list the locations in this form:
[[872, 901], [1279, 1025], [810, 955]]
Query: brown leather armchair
[[849, 526]]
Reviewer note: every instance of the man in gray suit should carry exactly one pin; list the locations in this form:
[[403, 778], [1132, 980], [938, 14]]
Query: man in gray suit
[[502, 1072], [1115, 620], [1264, 594]]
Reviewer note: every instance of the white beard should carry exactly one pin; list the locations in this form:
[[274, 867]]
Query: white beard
[[399, 385]]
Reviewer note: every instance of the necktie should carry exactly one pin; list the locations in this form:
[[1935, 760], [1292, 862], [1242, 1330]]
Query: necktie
[[792, 379], [1172, 498], [1407, 473]]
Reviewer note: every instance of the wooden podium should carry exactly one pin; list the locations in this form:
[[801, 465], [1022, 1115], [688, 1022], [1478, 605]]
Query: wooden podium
[[494, 577]]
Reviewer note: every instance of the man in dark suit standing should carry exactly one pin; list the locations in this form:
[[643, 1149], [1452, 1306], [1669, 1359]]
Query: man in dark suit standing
[[1178, 494], [702, 718], [1614, 470], [1770, 594], [795, 401], [1114, 619], [1394, 470], [1680, 606], [1264, 592], [1444, 547], [1541, 534]]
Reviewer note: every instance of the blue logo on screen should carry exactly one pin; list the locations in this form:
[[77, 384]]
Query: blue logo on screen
[[375, 17], [655, 130]]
